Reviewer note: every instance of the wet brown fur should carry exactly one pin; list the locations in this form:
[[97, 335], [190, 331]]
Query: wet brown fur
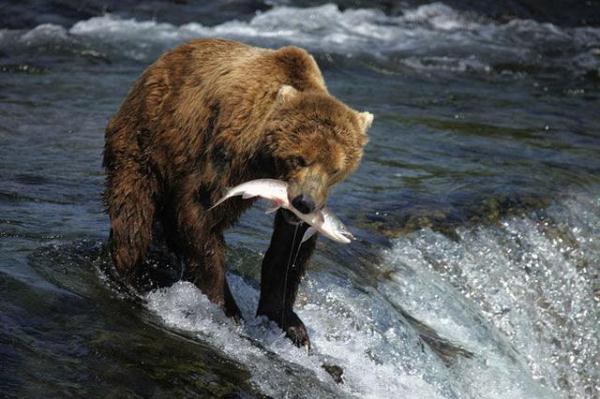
[[209, 115]]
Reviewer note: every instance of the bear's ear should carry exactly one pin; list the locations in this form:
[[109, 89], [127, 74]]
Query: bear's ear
[[286, 93], [365, 119]]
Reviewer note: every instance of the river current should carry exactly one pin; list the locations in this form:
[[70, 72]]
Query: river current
[[476, 270]]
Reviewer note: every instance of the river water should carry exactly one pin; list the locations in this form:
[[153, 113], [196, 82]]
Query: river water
[[476, 273]]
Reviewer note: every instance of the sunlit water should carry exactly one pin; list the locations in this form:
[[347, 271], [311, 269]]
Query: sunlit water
[[477, 212]]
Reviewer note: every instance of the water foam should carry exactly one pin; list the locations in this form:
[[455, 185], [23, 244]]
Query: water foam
[[342, 333], [426, 37], [530, 297], [520, 296]]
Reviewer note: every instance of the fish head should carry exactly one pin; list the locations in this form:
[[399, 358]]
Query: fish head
[[335, 228], [315, 141]]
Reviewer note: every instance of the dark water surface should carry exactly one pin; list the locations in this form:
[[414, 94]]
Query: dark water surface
[[477, 212]]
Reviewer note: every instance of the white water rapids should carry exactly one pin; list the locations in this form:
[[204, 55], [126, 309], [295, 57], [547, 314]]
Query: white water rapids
[[522, 296]]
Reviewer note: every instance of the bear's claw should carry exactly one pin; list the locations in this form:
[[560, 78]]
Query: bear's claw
[[299, 336], [296, 330]]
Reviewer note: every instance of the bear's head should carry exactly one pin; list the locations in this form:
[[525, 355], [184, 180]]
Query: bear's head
[[315, 141]]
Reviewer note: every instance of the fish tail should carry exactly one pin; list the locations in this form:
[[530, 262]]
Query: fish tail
[[219, 202]]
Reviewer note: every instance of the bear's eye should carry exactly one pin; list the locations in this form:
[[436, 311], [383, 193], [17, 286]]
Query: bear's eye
[[298, 162]]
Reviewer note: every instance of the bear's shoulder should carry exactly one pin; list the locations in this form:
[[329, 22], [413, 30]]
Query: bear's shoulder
[[289, 65]]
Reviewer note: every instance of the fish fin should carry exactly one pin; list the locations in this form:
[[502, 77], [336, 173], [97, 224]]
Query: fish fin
[[308, 233], [272, 209]]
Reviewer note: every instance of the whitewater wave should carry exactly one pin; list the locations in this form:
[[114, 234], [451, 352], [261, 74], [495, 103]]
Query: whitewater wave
[[533, 281], [433, 31], [521, 296], [343, 333]]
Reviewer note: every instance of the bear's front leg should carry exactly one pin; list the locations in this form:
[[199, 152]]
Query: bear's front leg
[[282, 269], [204, 256], [205, 267]]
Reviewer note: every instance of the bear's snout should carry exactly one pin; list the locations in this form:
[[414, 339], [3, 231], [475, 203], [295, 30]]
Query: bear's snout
[[304, 203]]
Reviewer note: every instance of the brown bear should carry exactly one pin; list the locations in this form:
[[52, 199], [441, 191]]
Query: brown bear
[[207, 116]]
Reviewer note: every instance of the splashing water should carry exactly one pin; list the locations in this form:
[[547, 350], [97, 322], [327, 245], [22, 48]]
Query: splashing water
[[508, 293], [432, 36], [485, 131]]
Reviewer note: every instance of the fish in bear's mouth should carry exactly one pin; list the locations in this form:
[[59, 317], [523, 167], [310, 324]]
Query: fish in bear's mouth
[[321, 220]]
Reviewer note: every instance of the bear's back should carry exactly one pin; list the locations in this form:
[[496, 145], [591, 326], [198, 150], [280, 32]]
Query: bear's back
[[228, 68], [202, 90], [240, 81]]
